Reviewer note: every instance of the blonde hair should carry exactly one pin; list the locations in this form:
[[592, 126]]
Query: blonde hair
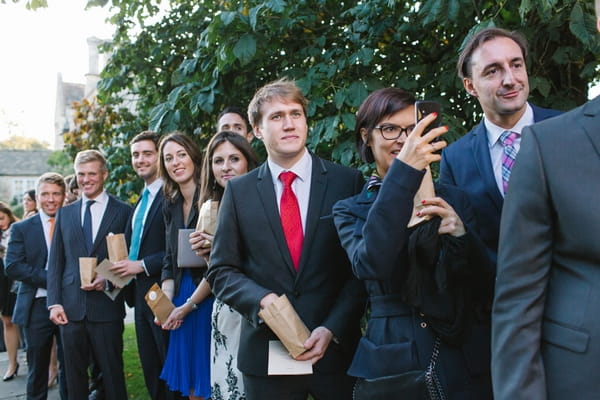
[[284, 89], [87, 156]]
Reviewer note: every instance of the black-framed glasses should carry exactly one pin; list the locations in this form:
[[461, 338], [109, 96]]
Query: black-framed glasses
[[393, 132]]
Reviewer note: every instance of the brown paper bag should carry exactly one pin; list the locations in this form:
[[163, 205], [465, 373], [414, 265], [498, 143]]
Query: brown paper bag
[[159, 303], [426, 191], [284, 321], [117, 247], [87, 270], [207, 218]]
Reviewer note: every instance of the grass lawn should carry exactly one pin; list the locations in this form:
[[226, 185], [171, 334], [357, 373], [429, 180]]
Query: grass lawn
[[134, 378]]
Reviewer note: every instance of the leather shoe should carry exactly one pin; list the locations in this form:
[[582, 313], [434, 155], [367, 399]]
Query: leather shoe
[[7, 377]]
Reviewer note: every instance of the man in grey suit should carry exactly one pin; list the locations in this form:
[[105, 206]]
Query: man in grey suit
[[257, 255], [88, 318], [26, 261], [545, 325]]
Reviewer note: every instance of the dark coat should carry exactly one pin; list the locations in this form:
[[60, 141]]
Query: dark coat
[[373, 229]]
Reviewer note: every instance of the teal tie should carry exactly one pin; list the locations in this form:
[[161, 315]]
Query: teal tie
[[138, 222]]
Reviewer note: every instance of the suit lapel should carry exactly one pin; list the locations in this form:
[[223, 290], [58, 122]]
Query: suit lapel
[[590, 123], [481, 153], [266, 192], [103, 229], [154, 208], [318, 187], [38, 231]]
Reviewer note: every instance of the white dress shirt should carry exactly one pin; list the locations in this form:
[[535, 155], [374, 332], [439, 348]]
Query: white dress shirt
[[41, 292], [300, 186], [97, 210], [497, 148]]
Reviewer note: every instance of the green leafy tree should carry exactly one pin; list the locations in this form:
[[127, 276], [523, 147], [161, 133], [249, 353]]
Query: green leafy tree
[[200, 57], [183, 64], [103, 127]]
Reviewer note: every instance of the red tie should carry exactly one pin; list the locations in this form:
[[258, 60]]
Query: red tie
[[290, 217]]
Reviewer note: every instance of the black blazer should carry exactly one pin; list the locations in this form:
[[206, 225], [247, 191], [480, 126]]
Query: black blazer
[[64, 283], [152, 248], [250, 259], [26, 262], [173, 219]]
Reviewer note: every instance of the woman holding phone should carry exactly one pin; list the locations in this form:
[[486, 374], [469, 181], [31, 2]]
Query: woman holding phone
[[429, 285]]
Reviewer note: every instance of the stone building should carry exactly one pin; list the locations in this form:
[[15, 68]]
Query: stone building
[[19, 171]]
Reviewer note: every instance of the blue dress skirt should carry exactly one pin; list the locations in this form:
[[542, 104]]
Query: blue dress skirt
[[187, 365]]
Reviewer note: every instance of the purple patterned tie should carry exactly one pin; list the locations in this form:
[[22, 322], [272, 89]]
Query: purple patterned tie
[[508, 157]]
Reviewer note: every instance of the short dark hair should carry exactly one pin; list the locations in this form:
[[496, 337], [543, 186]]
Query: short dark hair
[[146, 135], [170, 187], [209, 188], [378, 105], [463, 66], [232, 110]]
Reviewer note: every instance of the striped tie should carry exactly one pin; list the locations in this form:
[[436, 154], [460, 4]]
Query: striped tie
[[508, 157]]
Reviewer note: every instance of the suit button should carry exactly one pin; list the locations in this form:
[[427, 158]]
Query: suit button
[[423, 325]]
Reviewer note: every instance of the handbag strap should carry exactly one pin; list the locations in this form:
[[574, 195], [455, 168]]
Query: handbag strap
[[434, 387]]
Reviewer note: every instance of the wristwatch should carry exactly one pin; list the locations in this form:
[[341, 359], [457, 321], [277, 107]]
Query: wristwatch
[[191, 303]]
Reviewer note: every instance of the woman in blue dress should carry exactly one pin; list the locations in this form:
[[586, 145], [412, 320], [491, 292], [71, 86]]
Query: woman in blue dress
[[187, 366], [429, 285]]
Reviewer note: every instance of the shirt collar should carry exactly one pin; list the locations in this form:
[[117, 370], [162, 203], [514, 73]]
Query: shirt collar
[[102, 198], [494, 131], [154, 187], [44, 217], [302, 168]]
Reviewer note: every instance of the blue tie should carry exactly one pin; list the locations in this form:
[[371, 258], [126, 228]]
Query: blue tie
[[138, 222], [87, 227]]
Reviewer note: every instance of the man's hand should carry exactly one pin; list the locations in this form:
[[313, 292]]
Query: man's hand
[[126, 268], [268, 299], [316, 345], [99, 284], [58, 315]]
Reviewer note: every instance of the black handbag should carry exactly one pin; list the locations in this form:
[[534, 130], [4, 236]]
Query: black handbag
[[410, 385]]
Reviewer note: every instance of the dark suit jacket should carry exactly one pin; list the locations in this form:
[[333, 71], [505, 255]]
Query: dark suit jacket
[[152, 248], [250, 259], [26, 262], [545, 319], [173, 216], [64, 283], [466, 163]]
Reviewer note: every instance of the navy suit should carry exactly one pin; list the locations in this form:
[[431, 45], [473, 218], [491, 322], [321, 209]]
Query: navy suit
[[152, 340], [26, 262], [95, 320], [467, 164], [250, 259]]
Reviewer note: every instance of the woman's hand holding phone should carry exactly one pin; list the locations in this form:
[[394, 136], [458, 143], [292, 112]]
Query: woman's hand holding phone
[[420, 148]]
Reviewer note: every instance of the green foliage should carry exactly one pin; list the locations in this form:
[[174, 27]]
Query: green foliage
[[100, 126], [197, 57], [60, 162]]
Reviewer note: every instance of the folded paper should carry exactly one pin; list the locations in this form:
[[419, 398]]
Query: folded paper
[[103, 269], [285, 322]]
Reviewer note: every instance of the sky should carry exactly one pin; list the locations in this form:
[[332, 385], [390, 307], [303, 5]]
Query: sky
[[34, 47]]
